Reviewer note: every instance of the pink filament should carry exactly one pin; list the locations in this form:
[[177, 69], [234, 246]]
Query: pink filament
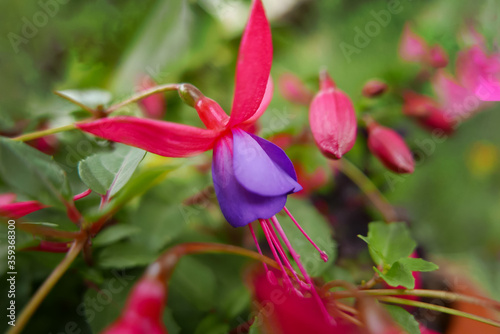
[[267, 233], [281, 251], [296, 258], [257, 245], [323, 254]]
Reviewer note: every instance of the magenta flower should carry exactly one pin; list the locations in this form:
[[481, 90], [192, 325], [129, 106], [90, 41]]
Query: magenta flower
[[412, 47], [332, 119], [144, 310], [252, 176], [427, 112], [479, 73], [152, 106], [388, 146], [12, 209]]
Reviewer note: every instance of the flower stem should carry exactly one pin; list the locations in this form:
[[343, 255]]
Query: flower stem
[[81, 105], [141, 95], [401, 301], [368, 188], [43, 133], [49, 283], [445, 295]]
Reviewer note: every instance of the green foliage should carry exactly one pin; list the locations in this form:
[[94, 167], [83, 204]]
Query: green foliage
[[390, 245], [32, 173], [107, 172], [403, 318]]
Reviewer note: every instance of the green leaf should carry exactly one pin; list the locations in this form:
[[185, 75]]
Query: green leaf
[[124, 255], [88, 97], [398, 275], [400, 272], [33, 173], [318, 229], [114, 233], [418, 264], [404, 319], [107, 172], [389, 242], [212, 324], [195, 281]]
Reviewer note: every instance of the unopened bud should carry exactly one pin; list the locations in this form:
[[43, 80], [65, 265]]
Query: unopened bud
[[437, 57], [374, 88], [294, 90], [332, 119], [388, 146]]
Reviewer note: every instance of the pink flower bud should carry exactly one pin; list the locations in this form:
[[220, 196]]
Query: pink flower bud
[[294, 90], [333, 119], [388, 146], [374, 88], [427, 112], [152, 106], [144, 309], [437, 57]]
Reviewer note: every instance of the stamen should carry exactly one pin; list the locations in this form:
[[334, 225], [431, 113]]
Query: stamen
[[322, 253], [288, 281], [270, 275], [296, 258], [278, 245]]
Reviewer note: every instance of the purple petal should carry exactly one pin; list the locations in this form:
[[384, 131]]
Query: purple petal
[[279, 157], [256, 171], [238, 205]]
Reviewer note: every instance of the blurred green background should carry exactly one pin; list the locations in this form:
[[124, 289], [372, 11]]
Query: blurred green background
[[452, 200]]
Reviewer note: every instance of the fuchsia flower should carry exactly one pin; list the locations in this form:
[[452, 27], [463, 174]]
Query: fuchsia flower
[[427, 112], [285, 313], [252, 176], [10, 208], [456, 100], [143, 312], [479, 73], [294, 90], [388, 146], [152, 106], [414, 49], [333, 119]]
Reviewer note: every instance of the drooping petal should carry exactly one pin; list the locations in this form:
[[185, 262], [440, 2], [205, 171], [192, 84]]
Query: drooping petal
[[256, 171], [268, 96], [254, 65], [20, 209], [479, 73], [278, 156], [238, 205], [454, 98], [159, 137], [7, 198], [333, 122]]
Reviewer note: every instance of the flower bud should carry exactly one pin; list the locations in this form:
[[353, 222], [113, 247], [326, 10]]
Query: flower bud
[[332, 119], [152, 106], [374, 88], [144, 309], [427, 112], [437, 57], [388, 146], [294, 90]]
